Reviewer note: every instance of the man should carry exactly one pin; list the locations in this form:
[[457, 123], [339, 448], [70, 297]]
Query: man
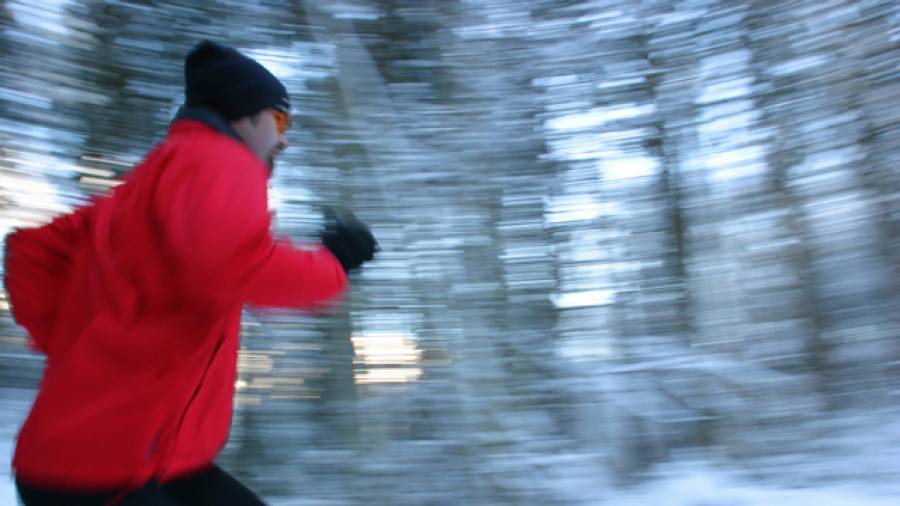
[[136, 299]]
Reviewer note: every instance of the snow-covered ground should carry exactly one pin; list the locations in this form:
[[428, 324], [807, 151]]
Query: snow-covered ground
[[698, 485], [14, 404], [864, 461]]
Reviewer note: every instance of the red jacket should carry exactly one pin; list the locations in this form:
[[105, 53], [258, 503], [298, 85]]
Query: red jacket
[[136, 302]]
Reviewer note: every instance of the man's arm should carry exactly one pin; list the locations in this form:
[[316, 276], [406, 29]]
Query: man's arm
[[36, 267], [214, 211]]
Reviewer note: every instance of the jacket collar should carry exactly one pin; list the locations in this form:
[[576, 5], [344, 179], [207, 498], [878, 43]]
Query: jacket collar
[[208, 117]]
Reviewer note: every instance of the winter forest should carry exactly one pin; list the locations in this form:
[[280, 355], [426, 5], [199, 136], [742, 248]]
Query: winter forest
[[633, 252]]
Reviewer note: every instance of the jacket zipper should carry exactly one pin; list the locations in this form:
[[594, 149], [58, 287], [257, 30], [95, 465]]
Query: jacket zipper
[[187, 407]]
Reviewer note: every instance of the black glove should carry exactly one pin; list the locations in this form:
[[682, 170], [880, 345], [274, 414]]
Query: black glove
[[348, 239]]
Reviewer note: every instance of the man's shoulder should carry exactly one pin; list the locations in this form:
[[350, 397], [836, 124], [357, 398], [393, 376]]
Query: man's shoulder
[[199, 142], [203, 155]]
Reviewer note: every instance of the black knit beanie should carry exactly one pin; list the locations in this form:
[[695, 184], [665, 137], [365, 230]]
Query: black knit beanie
[[230, 83]]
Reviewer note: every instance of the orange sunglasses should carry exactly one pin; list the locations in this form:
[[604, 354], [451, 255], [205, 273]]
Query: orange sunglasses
[[282, 120]]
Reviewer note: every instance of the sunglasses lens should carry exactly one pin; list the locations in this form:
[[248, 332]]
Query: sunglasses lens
[[282, 121]]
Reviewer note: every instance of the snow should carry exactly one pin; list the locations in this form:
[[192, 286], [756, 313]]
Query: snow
[[599, 116], [699, 485]]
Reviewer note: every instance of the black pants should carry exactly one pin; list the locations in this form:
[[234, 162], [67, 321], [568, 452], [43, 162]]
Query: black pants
[[214, 487]]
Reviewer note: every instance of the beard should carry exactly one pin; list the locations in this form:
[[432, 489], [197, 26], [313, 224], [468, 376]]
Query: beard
[[270, 160]]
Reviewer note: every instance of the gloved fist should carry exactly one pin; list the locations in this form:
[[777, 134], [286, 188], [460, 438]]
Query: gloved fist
[[348, 239]]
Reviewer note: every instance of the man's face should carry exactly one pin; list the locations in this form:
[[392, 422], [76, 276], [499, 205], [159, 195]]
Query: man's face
[[263, 134]]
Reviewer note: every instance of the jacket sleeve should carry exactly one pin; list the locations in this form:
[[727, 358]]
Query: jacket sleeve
[[37, 264], [214, 215]]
